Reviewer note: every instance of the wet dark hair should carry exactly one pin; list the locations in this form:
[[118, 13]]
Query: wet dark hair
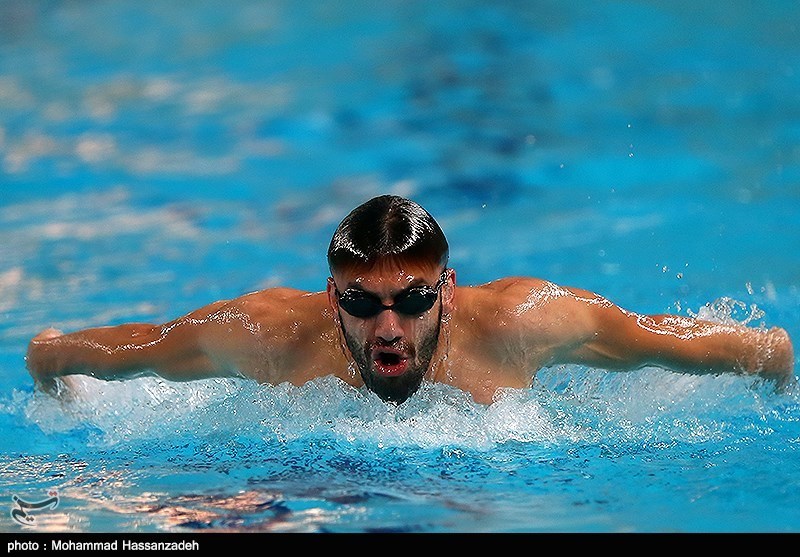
[[387, 226]]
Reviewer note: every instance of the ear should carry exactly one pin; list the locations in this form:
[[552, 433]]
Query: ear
[[333, 301], [449, 292]]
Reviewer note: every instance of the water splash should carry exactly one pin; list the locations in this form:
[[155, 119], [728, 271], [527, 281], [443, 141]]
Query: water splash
[[730, 311], [566, 405]]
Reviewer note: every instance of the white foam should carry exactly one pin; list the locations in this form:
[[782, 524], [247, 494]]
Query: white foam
[[568, 405]]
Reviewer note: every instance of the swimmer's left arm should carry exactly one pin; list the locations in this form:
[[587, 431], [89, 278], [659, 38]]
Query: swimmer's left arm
[[616, 339]]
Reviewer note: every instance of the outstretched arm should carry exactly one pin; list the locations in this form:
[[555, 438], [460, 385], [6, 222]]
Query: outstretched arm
[[174, 350], [617, 339]]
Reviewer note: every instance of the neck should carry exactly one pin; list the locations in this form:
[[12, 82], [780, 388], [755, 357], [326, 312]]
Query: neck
[[439, 369]]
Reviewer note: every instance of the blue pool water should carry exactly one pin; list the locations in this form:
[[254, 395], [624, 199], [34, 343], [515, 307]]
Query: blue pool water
[[157, 158]]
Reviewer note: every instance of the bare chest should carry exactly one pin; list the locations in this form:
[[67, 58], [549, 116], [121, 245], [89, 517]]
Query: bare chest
[[473, 366]]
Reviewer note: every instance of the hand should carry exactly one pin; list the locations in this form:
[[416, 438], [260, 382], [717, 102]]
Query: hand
[[776, 358], [39, 361]]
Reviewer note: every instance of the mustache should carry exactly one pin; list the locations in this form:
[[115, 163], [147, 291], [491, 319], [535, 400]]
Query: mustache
[[401, 345]]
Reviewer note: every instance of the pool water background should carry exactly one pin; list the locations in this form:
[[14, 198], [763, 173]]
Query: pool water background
[[157, 159]]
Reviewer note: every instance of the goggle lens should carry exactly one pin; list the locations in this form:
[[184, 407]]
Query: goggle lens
[[412, 302]]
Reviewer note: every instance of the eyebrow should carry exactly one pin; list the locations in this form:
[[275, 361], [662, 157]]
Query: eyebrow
[[418, 282], [412, 286]]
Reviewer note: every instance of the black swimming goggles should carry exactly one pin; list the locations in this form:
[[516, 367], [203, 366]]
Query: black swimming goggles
[[412, 302]]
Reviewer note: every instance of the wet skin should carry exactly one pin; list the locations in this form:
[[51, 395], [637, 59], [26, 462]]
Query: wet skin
[[477, 338], [393, 352]]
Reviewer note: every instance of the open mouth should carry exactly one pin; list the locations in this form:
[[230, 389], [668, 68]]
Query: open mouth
[[389, 362]]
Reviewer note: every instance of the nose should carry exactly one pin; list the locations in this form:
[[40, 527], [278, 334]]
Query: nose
[[388, 327]]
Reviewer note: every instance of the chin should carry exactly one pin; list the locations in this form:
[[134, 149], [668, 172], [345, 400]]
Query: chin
[[396, 389]]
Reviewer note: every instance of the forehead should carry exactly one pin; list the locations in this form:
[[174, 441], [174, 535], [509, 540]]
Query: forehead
[[389, 272]]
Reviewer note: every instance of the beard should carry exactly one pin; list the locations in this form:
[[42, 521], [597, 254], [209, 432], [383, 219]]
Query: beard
[[399, 388]]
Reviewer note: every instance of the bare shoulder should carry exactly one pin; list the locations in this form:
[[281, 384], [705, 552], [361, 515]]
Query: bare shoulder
[[510, 285], [519, 294], [275, 306], [532, 305], [520, 323], [271, 335]]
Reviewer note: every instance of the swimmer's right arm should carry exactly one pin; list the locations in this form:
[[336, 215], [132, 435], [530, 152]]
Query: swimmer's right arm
[[174, 351]]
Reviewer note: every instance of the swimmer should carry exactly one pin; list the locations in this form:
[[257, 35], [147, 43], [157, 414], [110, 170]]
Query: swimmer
[[392, 317]]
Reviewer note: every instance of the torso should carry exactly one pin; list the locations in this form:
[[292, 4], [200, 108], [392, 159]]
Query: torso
[[483, 354]]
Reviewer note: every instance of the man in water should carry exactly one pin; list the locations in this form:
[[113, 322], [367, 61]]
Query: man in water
[[393, 317]]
